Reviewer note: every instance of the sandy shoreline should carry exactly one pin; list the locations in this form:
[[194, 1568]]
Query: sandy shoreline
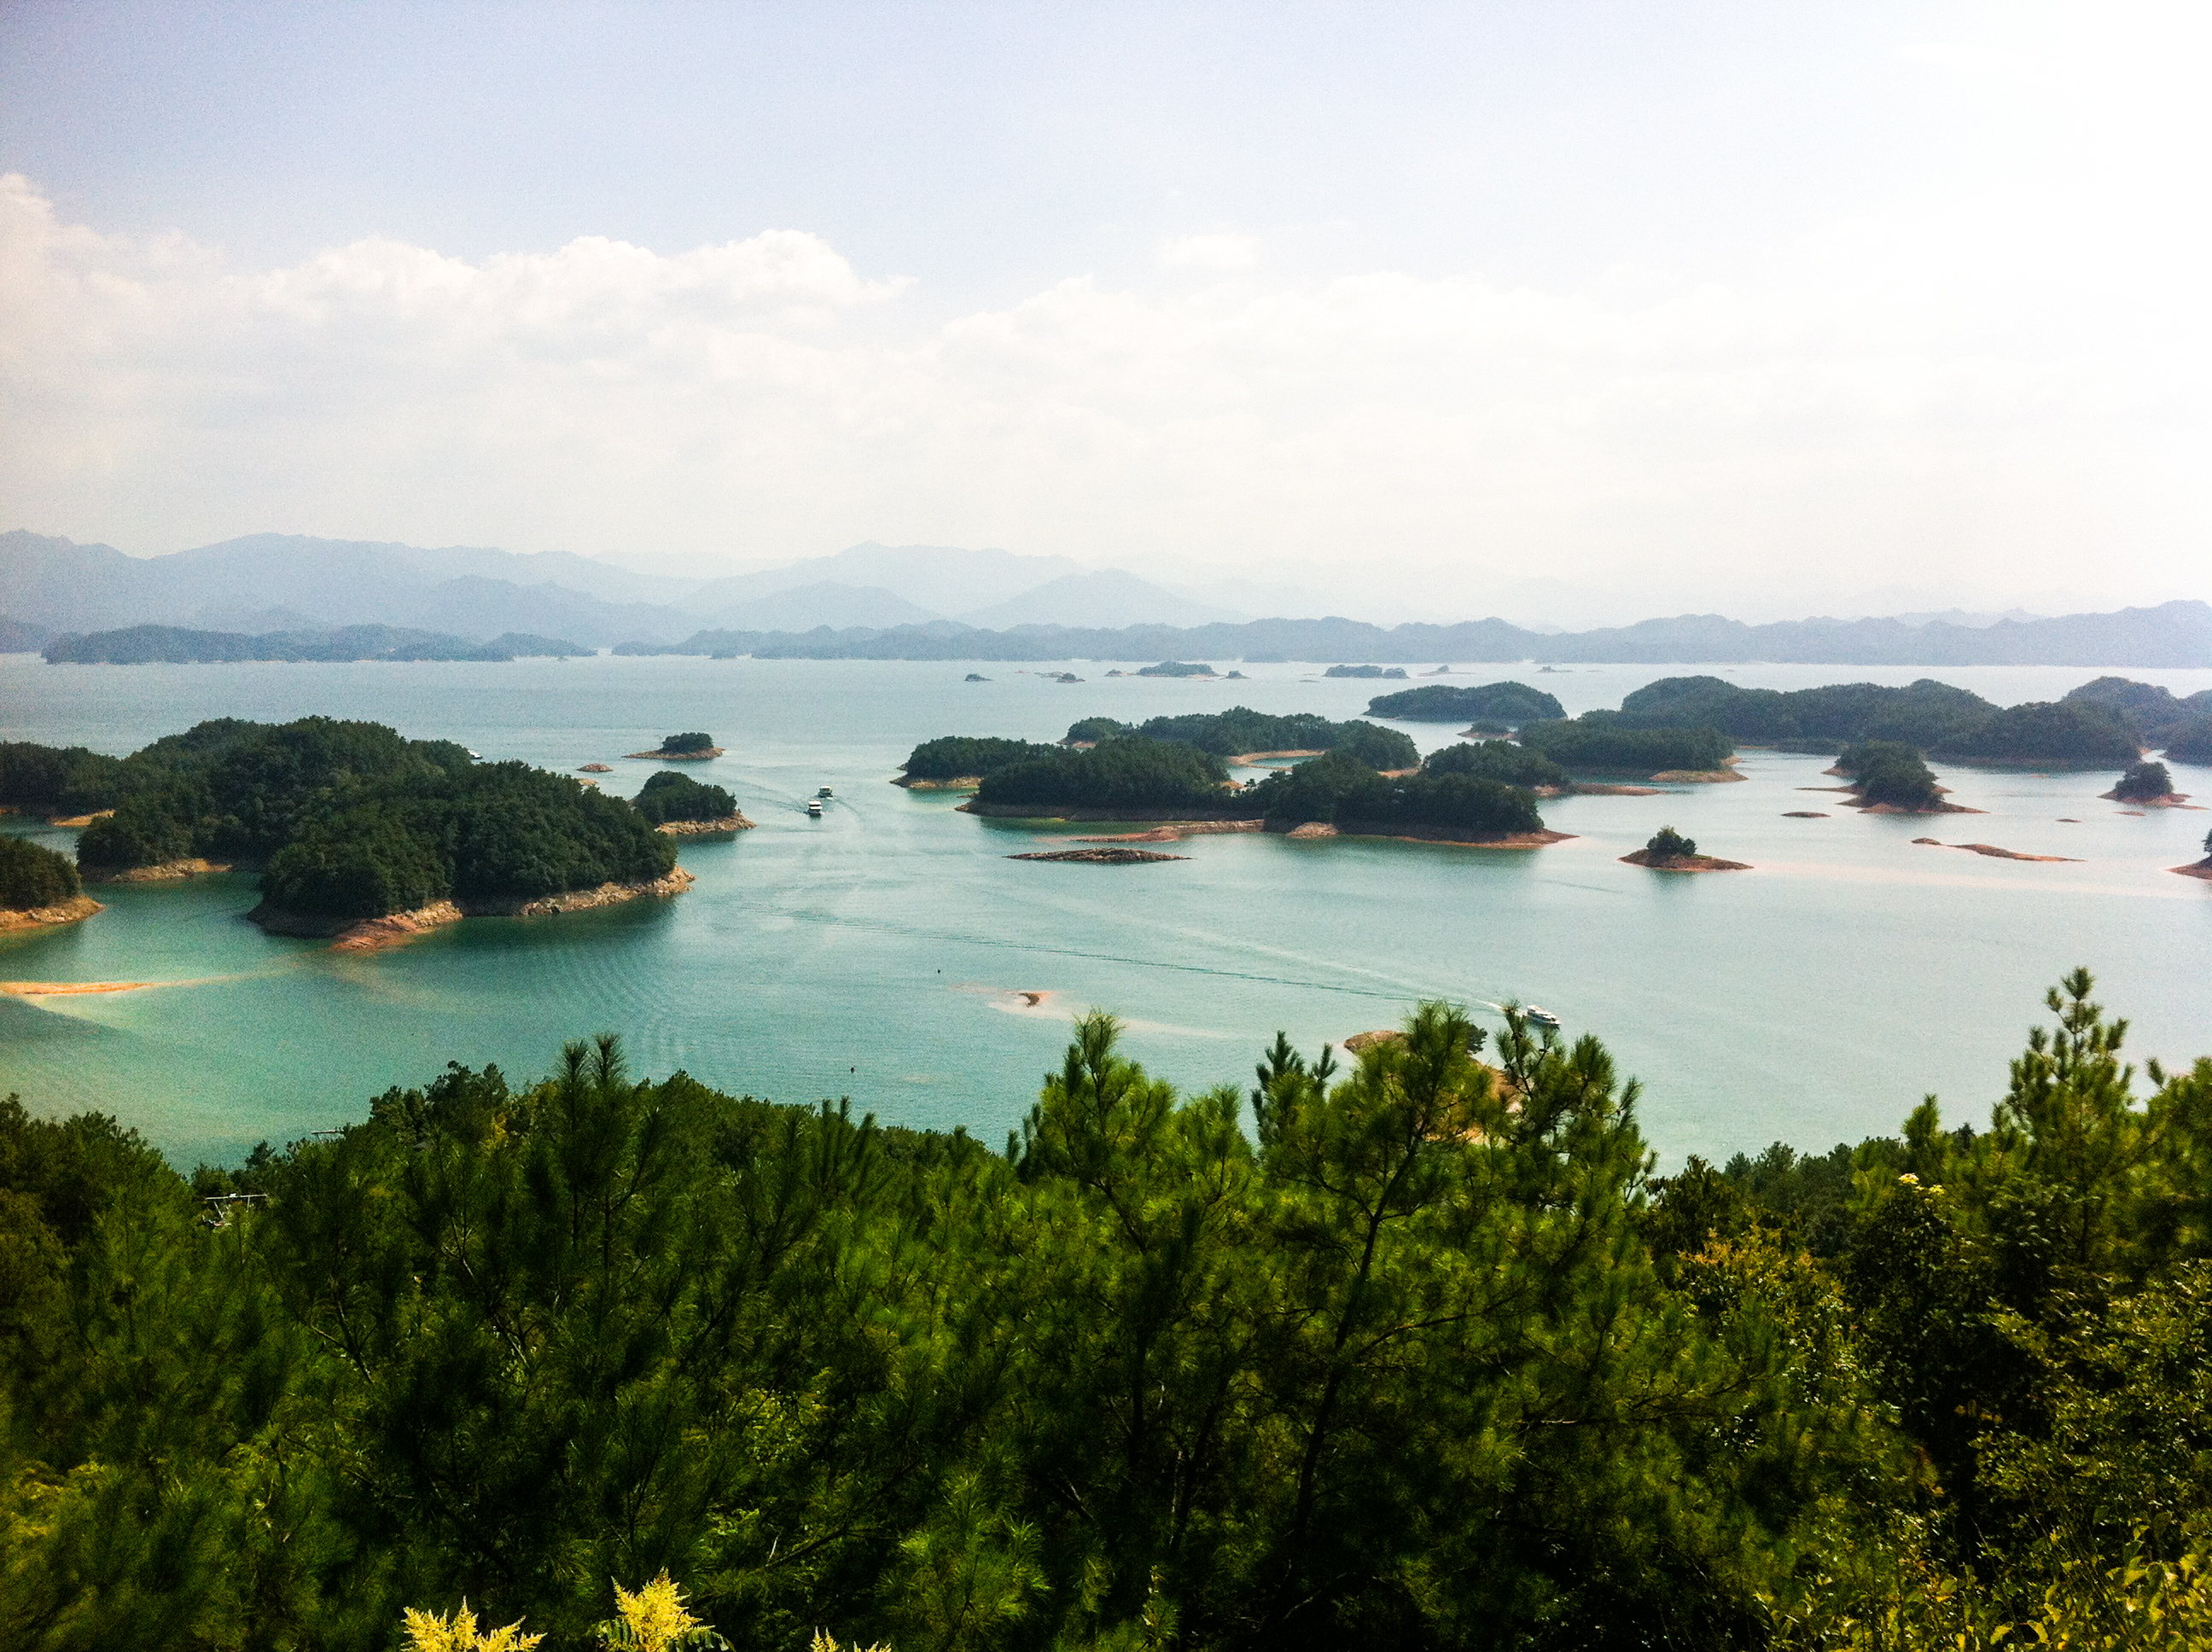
[[958, 783], [395, 929], [72, 988], [164, 872], [1684, 862], [74, 910], [1431, 835]]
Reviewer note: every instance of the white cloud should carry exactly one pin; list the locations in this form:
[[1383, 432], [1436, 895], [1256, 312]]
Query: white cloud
[[1842, 407], [1222, 252]]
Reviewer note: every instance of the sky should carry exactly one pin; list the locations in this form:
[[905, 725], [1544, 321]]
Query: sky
[[1570, 312]]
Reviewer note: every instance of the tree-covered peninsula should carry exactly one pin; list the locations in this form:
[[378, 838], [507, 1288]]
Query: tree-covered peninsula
[[1511, 703], [967, 757], [1822, 718], [350, 820], [1419, 1351]]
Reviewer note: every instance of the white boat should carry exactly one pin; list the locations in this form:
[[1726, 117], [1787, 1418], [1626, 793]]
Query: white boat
[[1540, 1016], [813, 808], [825, 792]]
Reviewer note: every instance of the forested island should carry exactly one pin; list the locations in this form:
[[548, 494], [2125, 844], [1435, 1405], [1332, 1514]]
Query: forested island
[[1371, 671], [1510, 704], [143, 645], [1417, 1350], [39, 887], [963, 761], [348, 821], [1601, 742]]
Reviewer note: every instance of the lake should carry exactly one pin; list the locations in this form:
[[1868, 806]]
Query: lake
[[886, 951]]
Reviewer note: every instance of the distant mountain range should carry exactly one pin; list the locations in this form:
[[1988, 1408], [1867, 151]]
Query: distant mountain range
[[875, 601]]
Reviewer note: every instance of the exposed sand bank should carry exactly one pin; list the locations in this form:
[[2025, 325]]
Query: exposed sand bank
[[1683, 862], [1393, 830], [1181, 829], [1100, 857], [1995, 853], [72, 988], [81, 821], [1049, 812], [1696, 776], [74, 910], [1802, 814]]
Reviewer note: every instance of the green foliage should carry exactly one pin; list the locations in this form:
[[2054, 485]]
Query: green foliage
[[2190, 740], [1367, 672], [57, 780], [676, 744], [1598, 743], [1921, 714], [1176, 668], [1337, 788], [33, 875], [958, 756], [2061, 731], [1240, 729], [1089, 730], [1135, 772], [669, 796], [1429, 1358], [1888, 771], [2144, 782], [1496, 760], [2152, 712], [1668, 844], [1512, 703]]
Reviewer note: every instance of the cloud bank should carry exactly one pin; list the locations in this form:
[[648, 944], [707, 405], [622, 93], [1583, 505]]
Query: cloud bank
[[1848, 414]]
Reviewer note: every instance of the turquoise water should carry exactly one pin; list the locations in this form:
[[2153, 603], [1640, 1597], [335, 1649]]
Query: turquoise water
[[883, 951]]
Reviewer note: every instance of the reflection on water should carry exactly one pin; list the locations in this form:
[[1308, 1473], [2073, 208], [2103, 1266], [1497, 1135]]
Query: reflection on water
[[886, 951]]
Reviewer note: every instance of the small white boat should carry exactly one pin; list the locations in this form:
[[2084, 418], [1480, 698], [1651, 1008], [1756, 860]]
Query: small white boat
[[814, 808], [1542, 1017], [825, 792]]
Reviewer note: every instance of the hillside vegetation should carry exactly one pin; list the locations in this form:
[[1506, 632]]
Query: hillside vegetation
[[1419, 1353]]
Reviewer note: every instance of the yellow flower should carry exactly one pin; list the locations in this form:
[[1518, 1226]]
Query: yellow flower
[[457, 1632], [654, 1615]]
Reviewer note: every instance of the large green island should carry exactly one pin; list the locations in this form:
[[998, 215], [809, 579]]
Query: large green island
[[357, 832]]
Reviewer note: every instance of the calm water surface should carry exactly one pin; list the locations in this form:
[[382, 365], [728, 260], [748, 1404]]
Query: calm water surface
[[883, 952]]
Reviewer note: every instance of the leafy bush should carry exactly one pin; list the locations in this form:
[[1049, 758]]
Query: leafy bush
[[671, 796], [2143, 783], [1668, 844], [956, 756], [1512, 703], [2061, 732], [694, 741], [1596, 744], [1136, 772], [33, 875], [1496, 760]]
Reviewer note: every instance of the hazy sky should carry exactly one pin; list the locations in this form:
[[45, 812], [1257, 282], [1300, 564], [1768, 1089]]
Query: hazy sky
[[1755, 308]]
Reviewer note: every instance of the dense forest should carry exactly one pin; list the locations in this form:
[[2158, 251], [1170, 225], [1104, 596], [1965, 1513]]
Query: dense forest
[[1337, 789], [348, 819], [1133, 772], [1509, 703], [1240, 729], [669, 796], [1891, 772], [960, 757], [2107, 720], [33, 876], [1368, 672], [1600, 743], [1417, 1353], [1496, 760]]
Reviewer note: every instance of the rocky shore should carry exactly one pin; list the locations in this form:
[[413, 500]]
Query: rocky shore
[[74, 910], [374, 934], [719, 827], [958, 783], [1683, 862], [163, 871], [702, 755], [1100, 857], [1397, 830]]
